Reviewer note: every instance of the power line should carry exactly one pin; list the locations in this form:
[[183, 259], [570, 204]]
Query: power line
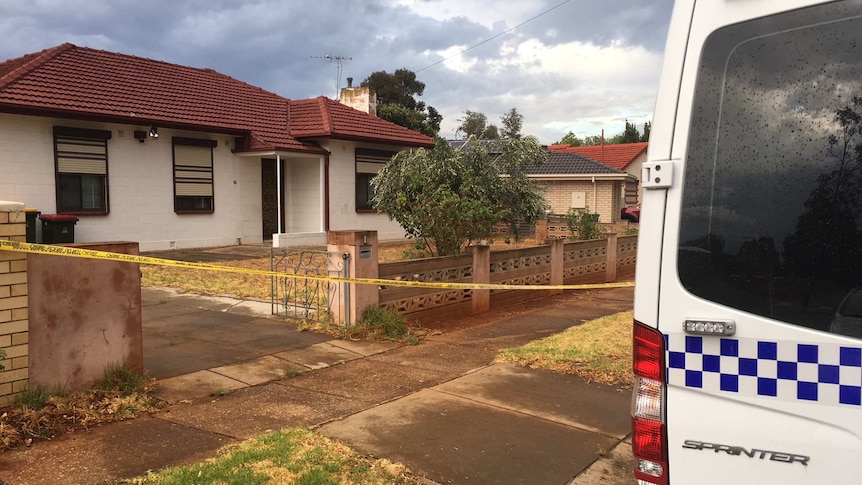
[[494, 37]]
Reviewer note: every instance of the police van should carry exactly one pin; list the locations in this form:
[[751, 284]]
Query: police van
[[748, 299]]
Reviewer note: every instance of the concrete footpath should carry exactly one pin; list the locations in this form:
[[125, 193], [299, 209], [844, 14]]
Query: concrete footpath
[[443, 408]]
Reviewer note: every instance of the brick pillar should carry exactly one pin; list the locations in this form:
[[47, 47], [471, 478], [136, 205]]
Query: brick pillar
[[558, 253], [481, 274], [611, 269], [14, 318], [362, 247]]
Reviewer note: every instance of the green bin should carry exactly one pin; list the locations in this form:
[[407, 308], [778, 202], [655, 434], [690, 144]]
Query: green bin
[[58, 228]]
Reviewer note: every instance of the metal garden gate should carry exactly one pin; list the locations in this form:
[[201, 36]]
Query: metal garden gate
[[309, 299]]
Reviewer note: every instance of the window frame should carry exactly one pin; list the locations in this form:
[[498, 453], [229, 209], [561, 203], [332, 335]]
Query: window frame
[[364, 158], [92, 137], [180, 200]]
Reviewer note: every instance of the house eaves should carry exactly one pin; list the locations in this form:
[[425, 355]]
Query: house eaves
[[588, 177]]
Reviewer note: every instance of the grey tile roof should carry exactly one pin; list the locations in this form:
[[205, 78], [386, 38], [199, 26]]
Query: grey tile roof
[[559, 163], [571, 164]]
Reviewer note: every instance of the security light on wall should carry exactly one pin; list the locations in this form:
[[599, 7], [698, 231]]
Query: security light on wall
[[154, 131], [140, 135]]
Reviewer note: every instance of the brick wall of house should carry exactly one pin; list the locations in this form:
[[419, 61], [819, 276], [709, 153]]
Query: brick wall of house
[[602, 198], [14, 318]]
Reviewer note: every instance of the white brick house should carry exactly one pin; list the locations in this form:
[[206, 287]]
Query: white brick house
[[232, 163]]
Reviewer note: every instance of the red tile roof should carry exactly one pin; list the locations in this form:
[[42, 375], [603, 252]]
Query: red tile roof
[[71, 81], [323, 117], [618, 156]]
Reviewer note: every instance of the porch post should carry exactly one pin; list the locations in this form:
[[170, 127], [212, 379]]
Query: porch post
[[324, 193], [278, 189]]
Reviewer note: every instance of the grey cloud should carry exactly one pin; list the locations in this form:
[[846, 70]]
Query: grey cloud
[[270, 43]]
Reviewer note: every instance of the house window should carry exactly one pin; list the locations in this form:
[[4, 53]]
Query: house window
[[193, 175], [368, 164], [81, 164]]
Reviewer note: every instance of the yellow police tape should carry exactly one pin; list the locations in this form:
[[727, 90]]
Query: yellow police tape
[[22, 247]]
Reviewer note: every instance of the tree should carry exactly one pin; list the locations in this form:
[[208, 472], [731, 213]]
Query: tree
[[512, 122], [396, 101], [647, 127], [593, 140], [476, 124], [570, 139], [491, 133], [630, 135], [447, 197]]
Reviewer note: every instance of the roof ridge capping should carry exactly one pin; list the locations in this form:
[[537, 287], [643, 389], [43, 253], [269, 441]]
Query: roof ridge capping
[[36, 60]]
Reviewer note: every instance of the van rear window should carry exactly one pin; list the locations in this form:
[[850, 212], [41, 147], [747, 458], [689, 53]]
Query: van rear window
[[773, 176]]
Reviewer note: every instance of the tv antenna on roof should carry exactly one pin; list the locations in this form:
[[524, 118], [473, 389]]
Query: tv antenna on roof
[[338, 61]]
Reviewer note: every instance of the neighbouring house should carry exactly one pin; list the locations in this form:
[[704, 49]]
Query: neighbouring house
[[573, 181], [628, 157], [174, 156]]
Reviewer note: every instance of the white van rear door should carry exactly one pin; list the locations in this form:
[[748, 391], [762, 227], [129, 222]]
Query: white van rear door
[[763, 234]]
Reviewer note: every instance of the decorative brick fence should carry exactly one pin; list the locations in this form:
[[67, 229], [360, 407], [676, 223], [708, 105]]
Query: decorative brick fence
[[556, 263]]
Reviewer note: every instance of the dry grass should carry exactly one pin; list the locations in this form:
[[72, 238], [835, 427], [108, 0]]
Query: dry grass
[[290, 456], [37, 414], [599, 350], [203, 282]]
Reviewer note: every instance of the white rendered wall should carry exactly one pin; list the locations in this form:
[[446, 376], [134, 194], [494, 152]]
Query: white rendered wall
[[140, 185], [303, 193], [342, 192]]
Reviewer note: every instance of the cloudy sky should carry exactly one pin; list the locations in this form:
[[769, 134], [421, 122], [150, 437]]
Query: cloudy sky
[[584, 66]]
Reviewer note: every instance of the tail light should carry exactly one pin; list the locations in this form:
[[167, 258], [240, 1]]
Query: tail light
[[649, 435]]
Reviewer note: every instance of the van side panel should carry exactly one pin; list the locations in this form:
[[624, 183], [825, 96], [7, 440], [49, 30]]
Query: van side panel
[[748, 233]]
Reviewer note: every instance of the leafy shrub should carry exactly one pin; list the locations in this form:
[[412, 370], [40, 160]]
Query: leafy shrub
[[583, 224], [380, 323]]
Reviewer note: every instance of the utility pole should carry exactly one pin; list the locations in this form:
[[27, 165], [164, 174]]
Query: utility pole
[[338, 61]]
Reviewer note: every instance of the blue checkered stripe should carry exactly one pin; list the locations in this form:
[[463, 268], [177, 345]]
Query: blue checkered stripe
[[792, 371]]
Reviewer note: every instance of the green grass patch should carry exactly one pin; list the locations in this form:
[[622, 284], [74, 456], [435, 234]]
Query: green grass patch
[[599, 350], [375, 324], [291, 456], [34, 399], [121, 380]]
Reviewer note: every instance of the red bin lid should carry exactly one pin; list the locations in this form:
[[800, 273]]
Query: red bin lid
[[58, 217]]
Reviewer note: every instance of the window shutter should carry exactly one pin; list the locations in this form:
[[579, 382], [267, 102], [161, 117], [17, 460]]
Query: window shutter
[[371, 162], [193, 171], [82, 156]]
